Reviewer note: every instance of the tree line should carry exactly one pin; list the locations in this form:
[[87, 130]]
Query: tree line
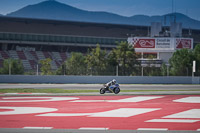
[[122, 61]]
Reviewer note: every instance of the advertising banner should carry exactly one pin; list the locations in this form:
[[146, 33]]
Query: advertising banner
[[163, 43], [143, 43], [183, 43]]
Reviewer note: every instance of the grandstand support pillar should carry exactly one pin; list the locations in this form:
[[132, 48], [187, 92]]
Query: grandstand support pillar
[[158, 55], [37, 70], [142, 55], [167, 69], [193, 68], [64, 68], [142, 71]]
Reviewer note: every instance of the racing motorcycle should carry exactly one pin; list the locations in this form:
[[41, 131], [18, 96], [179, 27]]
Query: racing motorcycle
[[111, 89]]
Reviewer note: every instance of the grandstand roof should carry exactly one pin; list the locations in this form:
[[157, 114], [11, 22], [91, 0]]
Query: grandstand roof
[[44, 26], [84, 29]]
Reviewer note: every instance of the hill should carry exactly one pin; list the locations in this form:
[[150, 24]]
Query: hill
[[58, 11]]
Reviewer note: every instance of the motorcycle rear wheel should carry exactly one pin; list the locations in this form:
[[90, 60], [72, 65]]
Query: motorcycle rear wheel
[[116, 90]]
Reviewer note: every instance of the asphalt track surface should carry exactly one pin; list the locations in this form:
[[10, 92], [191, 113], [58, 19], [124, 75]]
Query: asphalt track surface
[[98, 86], [99, 114], [160, 89]]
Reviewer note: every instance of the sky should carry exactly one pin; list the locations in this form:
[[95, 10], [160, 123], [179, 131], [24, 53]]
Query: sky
[[190, 8]]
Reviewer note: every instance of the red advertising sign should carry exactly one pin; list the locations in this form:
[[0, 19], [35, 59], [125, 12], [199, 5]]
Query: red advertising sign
[[183, 43], [143, 43]]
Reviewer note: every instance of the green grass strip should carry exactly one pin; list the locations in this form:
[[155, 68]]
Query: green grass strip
[[28, 90], [154, 90]]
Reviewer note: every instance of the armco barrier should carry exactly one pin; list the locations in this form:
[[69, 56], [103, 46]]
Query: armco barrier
[[99, 79]]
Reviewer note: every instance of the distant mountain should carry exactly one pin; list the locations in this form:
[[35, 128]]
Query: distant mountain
[[165, 19], [52, 9], [55, 10]]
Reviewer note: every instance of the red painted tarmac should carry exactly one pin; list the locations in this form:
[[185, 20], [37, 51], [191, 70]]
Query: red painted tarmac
[[163, 112]]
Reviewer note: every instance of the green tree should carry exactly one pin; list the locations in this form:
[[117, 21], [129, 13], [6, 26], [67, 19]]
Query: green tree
[[46, 66], [181, 62], [164, 69], [96, 61], [12, 65], [76, 65], [61, 70], [126, 57], [154, 71], [197, 57], [112, 58]]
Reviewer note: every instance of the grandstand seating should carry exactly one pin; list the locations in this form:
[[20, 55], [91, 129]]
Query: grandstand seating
[[4, 54], [53, 65], [13, 54], [47, 55], [33, 55], [56, 56], [21, 55], [58, 63], [26, 64], [33, 64], [63, 56], [30, 59], [40, 55]]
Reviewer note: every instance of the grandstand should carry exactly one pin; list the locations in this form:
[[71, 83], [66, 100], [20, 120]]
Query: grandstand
[[32, 40]]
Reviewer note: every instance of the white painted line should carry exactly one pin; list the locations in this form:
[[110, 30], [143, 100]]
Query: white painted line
[[132, 99], [89, 101], [26, 110], [123, 112], [198, 129], [35, 93], [45, 99], [91, 128], [136, 99], [192, 113], [173, 120], [66, 114], [188, 100], [156, 129], [37, 127], [10, 93]]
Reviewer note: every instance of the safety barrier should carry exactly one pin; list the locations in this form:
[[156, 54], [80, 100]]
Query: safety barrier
[[99, 79]]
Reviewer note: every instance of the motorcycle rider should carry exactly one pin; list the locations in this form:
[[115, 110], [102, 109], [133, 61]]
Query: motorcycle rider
[[113, 82]]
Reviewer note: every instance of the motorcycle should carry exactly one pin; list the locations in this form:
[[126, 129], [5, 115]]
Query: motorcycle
[[111, 89]]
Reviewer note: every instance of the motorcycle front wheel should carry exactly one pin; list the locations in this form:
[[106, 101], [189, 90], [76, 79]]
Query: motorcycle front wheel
[[102, 91]]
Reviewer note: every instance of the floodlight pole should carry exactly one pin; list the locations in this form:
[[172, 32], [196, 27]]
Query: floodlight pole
[[9, 67], [117, 70]]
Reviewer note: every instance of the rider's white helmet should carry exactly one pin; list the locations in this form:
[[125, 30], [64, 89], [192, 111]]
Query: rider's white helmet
[[114, 81]]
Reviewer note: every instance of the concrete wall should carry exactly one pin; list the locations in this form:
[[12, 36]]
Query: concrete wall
[[165, 56], [98, 79]]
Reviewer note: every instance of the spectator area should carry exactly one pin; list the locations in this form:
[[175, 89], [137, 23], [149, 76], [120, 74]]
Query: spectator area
[[30, 59]]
